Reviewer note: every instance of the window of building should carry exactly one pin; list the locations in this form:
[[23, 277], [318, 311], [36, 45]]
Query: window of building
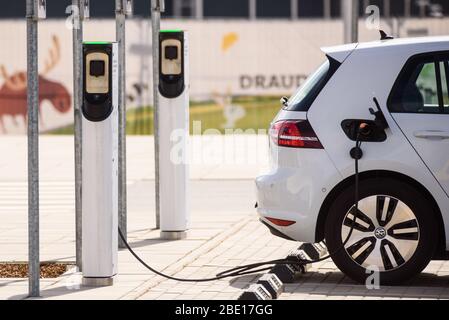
[[335, 8], [142, 8], [56, 8], [168, 12], [183, 8], [310, 9], [365, 3], [415, 10], [12, 9], [443, 4], [397, 8], [228, 8], [105, 10], [273, 8]]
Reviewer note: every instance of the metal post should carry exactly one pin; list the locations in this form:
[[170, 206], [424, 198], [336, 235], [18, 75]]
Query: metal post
[[33, 150], [422, 8], [157, 6], [142, 61], [252, 9], [199, 9], [294, 9], [327, 9], [355, 20], [387, 9], [407, 8], [120, 16], [177, 8], [366, 3], [77, 38], [350, 13]]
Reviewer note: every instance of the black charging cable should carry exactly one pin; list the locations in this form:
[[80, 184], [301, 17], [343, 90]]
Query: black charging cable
[[356, 153]]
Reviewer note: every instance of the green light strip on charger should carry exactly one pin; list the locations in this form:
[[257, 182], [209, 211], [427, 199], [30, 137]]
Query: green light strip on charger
[[171, 31], [97, 42]]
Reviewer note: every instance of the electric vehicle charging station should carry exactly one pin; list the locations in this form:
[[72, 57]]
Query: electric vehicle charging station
[[100, 165], [173, 124]]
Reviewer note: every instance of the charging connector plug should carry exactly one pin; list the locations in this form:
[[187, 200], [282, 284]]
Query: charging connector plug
[[364, 129]]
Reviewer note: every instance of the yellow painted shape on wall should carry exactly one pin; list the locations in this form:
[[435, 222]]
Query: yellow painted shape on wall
[[229, 40]]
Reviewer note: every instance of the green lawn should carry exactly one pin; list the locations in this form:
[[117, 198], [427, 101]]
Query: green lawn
[[252, 112]]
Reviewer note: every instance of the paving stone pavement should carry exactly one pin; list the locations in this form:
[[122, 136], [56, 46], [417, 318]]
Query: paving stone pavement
[[213, 182], [323, 281], [209, 225], [225, 233]]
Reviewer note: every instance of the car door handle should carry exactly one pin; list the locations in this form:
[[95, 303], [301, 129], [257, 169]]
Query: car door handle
[[432, 134]]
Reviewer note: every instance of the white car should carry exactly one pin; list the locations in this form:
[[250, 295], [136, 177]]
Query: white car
[[308, 194]]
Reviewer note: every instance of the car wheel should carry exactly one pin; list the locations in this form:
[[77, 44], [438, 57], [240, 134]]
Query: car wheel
[[395, 231]]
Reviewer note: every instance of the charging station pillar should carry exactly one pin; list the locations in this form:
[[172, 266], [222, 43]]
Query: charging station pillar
[[99, 163], [173, 124]]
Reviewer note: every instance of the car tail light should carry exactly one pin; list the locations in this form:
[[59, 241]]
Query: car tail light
[[294, 134], [280, 222]]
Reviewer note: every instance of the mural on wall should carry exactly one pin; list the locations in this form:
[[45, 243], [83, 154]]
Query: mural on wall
[[238, 67], [231, 112], [13, 91]]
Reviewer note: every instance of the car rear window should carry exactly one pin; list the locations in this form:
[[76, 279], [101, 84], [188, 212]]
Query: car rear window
[[303, 98]]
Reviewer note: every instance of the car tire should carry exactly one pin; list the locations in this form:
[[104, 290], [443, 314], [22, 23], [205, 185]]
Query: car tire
[[398, 239]]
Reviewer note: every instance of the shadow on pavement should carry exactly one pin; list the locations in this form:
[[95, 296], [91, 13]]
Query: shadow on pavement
[[146, 242], [425, 285], [8, 282], [53, 292]]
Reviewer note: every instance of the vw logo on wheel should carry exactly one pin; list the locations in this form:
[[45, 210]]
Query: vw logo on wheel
[[380, 233]]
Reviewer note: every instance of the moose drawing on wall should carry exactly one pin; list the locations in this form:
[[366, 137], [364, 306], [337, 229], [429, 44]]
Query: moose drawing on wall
[[13, 91]]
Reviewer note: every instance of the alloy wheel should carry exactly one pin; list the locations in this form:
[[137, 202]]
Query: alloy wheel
[[385, 235]]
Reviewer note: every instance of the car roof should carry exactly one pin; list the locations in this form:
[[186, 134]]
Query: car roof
[[414, 45]]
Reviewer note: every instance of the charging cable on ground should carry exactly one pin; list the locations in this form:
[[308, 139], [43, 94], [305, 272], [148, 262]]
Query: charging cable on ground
[[356, 153]]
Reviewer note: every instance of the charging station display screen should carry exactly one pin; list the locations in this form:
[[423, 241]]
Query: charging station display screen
[[97, 73], [171, 64], [171, 52], [97, 68]]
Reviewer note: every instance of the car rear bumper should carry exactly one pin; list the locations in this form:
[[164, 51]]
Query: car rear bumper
[[296, 192]]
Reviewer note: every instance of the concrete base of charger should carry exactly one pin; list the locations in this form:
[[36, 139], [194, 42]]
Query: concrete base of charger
[[98, 282], [173, 235]]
